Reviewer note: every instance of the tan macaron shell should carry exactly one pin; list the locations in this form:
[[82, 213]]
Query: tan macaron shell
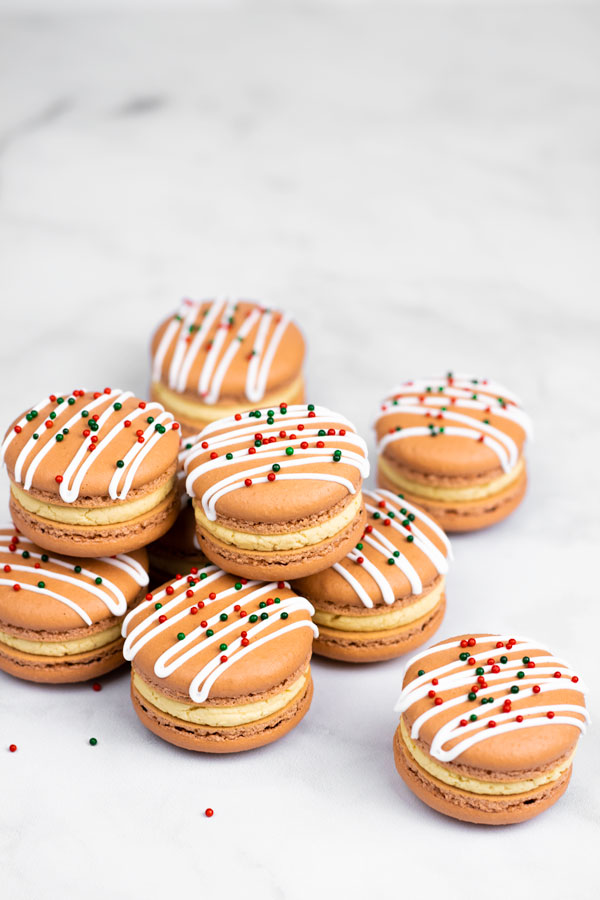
[[503, 756], [258, 443], [439, 454], [45, 459], [258, 671], [181, 351]]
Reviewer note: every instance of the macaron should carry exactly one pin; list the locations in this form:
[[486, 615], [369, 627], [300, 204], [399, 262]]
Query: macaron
[[277, 491], [454, 445], [488, 727], [387, 596], [214, 358], [60, 616], [220, 664], [93, 473]]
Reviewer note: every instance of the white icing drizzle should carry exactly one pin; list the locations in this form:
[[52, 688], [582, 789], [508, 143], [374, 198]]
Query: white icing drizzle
[[238, 432], [196, 641], [109, 593], [459, 674], [34, 451], [218, 360], [380, 542], [454, 393]]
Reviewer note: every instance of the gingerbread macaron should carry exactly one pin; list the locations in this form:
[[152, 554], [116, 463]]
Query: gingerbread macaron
[[93, 473], [488, 727], [220, 664], [387, 596], [60, 616], [454, 445], [214, 358], [277, 492]]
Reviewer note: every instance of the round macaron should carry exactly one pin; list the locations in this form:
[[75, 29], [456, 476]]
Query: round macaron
[[93, 473], [214, 358], [60, 616], [277, 492], [488, 727], [454, 445], [387, 596], [220, 664]]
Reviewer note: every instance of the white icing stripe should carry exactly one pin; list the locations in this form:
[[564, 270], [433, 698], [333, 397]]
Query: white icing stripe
[[458, 674], [188, 313], [161, 350], [388, 496], [23, 421], [401, 561], [213, 313], [234, 347], [257, 392], [432, 402], [196, 642], [213, 354], [290, 419], [466, 383], [378, 577]]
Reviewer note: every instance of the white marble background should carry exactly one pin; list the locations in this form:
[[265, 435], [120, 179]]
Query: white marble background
[[420, 185]]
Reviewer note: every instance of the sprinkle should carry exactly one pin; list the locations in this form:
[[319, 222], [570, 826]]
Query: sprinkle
[[93, 742], [209, 813], [12, 748], [96, 686]]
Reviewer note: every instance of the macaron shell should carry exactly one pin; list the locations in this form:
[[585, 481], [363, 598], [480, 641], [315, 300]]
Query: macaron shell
[[469, 515], [511, 753], [39, 611], [223, 740], [377, 646], [285, 365], [62, 670], [100, 464], [330, 589], [476, 808], [101, 540]]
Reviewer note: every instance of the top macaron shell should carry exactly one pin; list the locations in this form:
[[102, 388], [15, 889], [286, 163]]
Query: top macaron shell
[[47, 449], [220, 350], [256, 668], [454, 426], [301, 440], [382, 577], [508, 746], [58, 593]]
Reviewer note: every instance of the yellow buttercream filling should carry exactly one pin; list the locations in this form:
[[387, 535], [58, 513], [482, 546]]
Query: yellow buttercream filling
[[219, 716], [181, 405], [393, 618], [474, 785], [447, 494], [62, 648], [100, 515], [293, 540]]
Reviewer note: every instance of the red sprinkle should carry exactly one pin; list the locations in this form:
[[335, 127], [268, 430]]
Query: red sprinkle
[[16, 587], [471, 642], [471, 661], [519, 718], [209, 812], [12, 748], [96, 686], [175, 426], [438, 701], [194, 610], [237, 418], [248, 482], [58, 479], [550, 714], [18, 429], [223, 658], [271, 476], [536, 689], [463, 722], [491, 724], [558, 674], [574, 679], [162, 619]]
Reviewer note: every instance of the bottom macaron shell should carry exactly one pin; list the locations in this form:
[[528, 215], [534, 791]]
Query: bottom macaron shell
[[215, 740], [97, 540], [377, 646], [62, 670], [467, 516], [476, 808], [283, 565]]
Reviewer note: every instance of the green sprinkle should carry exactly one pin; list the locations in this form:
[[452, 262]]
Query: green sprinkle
[[391, 561], [322, 432], [229, 456], [52, 415], [223, 617], [479, 670], [473, 717], [120, 463], [222, 646], [270, 420], [464, 656], [421, 672], [472, 695], [525, 660], [277, 600], [410, 538], [76, 569], [359, 546], [35, 437], [504, 659], [262, 604], [289, 451], [98, 580], [311, 407], [65, 431], [25, 554], [270, 412], [238, 585], [180, 636], [376, 515], [514, 689], [60, 400], [41, 584], [117, 406], [276, 467], [93, 742], [44, 557], [520, 674], [158, 606], [209, 632], [203, 575], [253, 618], [150, 420], [59, 437], [84, 413], [284, 615], [160, 428], [396, 553], [264, 615]]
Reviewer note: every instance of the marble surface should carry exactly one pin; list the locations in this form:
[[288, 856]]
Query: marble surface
[[419, 184]]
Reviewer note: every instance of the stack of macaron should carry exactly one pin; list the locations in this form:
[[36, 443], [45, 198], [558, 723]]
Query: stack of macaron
[[220, 532]]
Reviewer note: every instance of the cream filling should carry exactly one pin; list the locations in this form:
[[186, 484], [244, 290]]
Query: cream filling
[[474, 785], [219, 716], [446, 494], [62, 648], [393, 618], [181, 405], [99, 515], [293, 540]]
